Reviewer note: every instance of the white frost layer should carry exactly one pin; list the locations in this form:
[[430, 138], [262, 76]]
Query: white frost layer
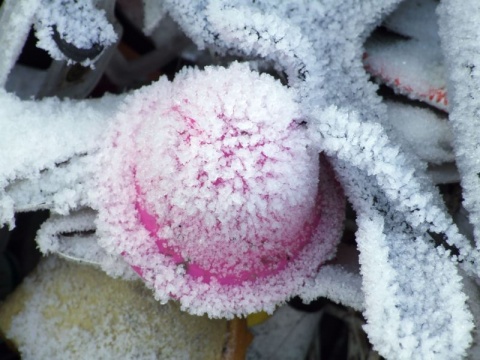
[[428, 135], [411, 67], [338, 284], [79, 23], [69, 311], [402, 199], [61, 188], [73, 237], [40, 135], [366, 146], [315, 43], [460, 36], [254, 30], [472, 290], [414, 311]]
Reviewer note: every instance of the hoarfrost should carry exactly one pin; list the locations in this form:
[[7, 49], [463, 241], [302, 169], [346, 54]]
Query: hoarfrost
[[337, 283], [416, 305], [410, 61], [66, 310], [205, 183], [460, 38], [73, 237], [77, 23], [40, 138]]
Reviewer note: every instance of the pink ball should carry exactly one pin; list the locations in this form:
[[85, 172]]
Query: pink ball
[[213, 192]]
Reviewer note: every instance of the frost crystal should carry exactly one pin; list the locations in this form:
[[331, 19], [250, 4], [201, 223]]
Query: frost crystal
[[212, 177], [220, 188], [77, 25], [456, 21], [65, 310], [15, 18]]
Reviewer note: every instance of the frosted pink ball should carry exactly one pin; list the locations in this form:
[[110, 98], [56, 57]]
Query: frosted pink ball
[[212, 180]]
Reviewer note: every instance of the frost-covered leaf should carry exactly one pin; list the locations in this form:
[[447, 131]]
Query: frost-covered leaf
[[398, 219], [410, 67], [64, 187], [65, 310], [40, 135], [366, 146], [428, 135], [408, 57], [337, 283], [73, 237], [414, 302], [460, 36]]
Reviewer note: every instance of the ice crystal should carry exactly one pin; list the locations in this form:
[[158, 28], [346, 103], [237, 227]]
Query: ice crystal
[[210, 186]]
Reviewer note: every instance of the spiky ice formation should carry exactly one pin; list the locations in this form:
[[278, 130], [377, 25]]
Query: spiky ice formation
[[213, 194]]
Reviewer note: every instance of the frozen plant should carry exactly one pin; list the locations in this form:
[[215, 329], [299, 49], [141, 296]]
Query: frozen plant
[[211, 188]]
